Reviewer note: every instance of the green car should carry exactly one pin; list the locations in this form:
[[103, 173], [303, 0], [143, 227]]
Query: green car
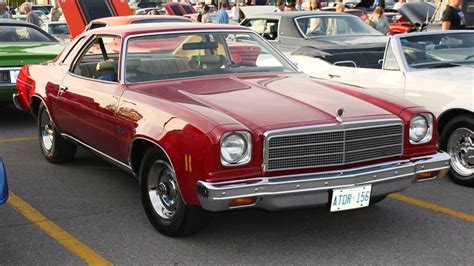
[[21, 44]]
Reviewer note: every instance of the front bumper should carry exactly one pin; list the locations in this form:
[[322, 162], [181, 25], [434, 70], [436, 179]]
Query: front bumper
[[314, 189]]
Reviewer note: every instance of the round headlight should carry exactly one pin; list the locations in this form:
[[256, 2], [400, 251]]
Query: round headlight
[[418, 128], [233, 148]]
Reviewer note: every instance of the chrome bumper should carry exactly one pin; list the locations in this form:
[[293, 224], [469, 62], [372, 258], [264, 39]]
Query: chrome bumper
[[15, 101], [313, 189]]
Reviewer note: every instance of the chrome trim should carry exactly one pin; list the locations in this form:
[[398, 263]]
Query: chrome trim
[[15, 101], [293, 190], [337, 63], [243, 30], [109, 158], [326, 128]]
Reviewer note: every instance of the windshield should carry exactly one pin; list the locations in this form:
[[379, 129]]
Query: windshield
[[58, 29], [321, 26], [158, 57], [438, 50], [15, 33]]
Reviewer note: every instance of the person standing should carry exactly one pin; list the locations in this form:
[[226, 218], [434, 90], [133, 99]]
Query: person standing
[[206, 15], [235, 12], [299, 5], [280, 6], [221, 15], [3, 11], [55, 13], [378, 20], [398, 4], [31, 17], [453, 17]]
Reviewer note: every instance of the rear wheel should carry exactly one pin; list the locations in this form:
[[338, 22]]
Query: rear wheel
[[457, 139], [55, 148], [162, 201]]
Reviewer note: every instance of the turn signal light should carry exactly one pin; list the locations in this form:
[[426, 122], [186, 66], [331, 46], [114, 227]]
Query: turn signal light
[[242, 201], [426, 175]]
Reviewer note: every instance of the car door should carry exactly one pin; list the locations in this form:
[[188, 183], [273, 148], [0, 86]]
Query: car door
[[89, 95]]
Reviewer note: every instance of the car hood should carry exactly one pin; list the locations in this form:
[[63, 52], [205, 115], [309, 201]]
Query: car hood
[[265, 101], [19, 54], [418, 12]]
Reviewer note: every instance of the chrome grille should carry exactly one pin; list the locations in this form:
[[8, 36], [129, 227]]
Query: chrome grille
[[330, 145]]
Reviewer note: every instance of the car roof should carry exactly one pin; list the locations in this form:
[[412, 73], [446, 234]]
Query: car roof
[[124, 20], [293, 14], [126, 30]]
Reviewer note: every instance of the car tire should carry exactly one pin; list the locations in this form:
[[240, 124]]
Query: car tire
[[457, 139], [55, 148], [162, 200]]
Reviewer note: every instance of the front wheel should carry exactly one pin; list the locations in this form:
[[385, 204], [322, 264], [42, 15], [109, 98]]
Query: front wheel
[[55, 147], [162, 201], [457, 140]]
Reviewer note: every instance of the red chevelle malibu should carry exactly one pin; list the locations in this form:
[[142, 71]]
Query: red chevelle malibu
[[204, 130]]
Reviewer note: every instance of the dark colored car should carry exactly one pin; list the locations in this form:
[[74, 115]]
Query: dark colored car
[[324, 31]]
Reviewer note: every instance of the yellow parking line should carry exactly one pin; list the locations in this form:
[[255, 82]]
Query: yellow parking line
[[64, 238], [18, 139], [428, 205]]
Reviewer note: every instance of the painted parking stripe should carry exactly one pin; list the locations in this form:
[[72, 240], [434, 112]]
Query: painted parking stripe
[[68, 241], [431, 206], [18, 139]]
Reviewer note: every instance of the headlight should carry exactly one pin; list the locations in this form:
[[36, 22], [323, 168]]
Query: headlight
[[421, 128], [236, 148]]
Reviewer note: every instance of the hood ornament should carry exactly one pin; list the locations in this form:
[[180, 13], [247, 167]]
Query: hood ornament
[[340, 115]]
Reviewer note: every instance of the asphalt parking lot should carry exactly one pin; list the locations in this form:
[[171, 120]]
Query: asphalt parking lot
[[90, 212]]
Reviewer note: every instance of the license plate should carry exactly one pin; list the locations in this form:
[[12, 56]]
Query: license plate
[[14, 75], [350, 198]]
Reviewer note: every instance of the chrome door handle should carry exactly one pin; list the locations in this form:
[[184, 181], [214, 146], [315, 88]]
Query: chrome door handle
[[334, 76], [62, 88]]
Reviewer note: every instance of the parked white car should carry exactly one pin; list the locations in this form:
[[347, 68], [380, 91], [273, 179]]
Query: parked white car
[[433, 69]]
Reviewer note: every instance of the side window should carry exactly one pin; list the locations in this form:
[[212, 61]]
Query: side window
[[271, 29], [100, 59], [257, 25], [390, 61]]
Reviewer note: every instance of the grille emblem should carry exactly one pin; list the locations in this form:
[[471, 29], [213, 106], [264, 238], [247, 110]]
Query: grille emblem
[[340, 115]]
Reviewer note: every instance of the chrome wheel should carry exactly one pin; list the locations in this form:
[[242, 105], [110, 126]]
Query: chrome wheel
[[461, 149], [47, 132], [163, 190]]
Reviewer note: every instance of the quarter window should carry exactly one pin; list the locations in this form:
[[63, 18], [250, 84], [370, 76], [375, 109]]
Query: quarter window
[[390, 61]]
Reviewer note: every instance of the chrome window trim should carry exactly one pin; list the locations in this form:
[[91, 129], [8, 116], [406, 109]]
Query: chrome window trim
[[331, 127], [124, 49]]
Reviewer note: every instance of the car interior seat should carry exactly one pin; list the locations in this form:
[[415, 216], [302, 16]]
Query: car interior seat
[[106, 70]]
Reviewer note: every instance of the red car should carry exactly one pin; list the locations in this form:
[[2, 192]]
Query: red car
[[204, 132]]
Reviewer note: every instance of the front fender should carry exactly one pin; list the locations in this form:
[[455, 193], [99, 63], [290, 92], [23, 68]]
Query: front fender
[[3, 183]]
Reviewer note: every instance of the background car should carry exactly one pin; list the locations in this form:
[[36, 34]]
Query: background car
[[324, 31], [22, 43], [432, 69], [58, 29], [204, 130], [3, 183]]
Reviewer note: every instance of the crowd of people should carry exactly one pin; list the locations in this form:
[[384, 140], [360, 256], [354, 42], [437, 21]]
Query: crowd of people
[[452, 19]]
